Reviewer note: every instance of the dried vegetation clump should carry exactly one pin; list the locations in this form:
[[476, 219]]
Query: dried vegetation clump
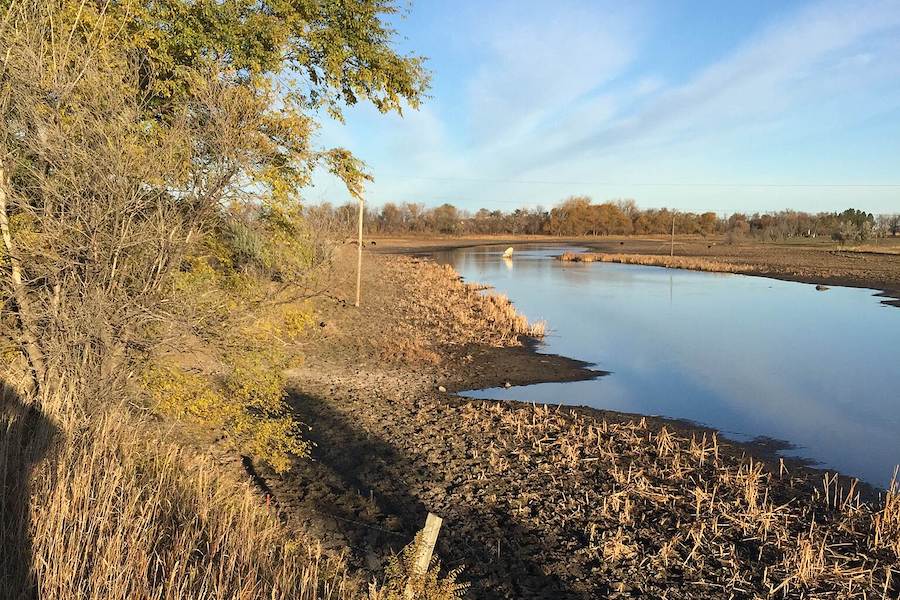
[[658, 260], [407, 346], [641, 510], [110, 509], [460, 313], [402, 581], [873, 249]]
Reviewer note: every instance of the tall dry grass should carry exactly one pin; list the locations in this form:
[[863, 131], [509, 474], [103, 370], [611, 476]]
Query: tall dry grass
[[456, 312], [503, 316], [105, 509], [658, 260]]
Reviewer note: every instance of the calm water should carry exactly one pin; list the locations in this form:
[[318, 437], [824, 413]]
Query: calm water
[[746, 355]]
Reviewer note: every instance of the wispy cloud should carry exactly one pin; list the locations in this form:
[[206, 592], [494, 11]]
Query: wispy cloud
[[777, 71], [538, 65], [568, 93]]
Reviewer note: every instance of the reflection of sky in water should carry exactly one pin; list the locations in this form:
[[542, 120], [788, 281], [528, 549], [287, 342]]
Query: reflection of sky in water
[[747, 355]]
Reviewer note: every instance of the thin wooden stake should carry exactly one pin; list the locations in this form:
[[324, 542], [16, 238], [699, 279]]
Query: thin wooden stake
[[672, 251], [424, 550], [359, 243]]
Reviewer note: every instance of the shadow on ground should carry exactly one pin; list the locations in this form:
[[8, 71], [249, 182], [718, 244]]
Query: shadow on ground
[[369, 494], [25, 437]]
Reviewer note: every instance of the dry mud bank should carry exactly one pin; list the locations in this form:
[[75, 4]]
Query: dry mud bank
[[545, 502]]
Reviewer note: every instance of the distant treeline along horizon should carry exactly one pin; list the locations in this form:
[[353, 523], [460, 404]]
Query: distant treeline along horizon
[[580, 216]]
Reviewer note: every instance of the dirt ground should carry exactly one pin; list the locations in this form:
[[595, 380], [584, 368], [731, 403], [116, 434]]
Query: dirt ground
[[529, 511], [809, 261]]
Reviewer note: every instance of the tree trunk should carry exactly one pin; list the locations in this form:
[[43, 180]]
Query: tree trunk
[[27, 319]]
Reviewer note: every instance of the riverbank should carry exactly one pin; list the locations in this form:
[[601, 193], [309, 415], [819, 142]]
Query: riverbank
[[542, 502], [815, 261]]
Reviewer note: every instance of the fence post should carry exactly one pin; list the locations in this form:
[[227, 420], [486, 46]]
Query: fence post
[[359, 245], [424, 550], [672, 251]]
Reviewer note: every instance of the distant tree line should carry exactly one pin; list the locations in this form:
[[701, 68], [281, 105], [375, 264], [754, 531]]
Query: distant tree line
[[580, 216]]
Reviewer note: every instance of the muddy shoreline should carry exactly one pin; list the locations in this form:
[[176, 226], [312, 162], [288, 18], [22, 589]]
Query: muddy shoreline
[[519, 367], [525, 496]]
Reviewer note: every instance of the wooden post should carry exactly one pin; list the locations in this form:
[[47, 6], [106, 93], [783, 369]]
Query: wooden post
[[424, 550], [359, 248], [672, 251]]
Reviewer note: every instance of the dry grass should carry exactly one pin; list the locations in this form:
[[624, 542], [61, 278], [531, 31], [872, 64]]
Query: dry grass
[[671, 515], [108, 510], [108, 507], [407, 347], [659, 260], [455, 312], [887, 522], [893, 248]]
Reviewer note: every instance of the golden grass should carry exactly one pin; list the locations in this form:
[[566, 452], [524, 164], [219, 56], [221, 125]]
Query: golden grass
[[455, 312], [874, 249], [407, 347], [887, 522], [660, 260], [106, 509]]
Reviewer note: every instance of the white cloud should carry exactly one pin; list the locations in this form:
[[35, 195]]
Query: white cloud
[[563, 93], [544, 58], [757, 84]]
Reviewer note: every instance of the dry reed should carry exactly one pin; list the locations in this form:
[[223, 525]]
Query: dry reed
[[873, 249], [657, 260], [106, 510], [455, 312], [671, 515]]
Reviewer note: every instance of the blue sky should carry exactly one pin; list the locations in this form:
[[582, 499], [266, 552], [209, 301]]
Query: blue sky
[[723, 106]]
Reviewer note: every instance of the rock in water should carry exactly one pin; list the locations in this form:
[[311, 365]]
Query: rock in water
[[821, 287], [508, 252]]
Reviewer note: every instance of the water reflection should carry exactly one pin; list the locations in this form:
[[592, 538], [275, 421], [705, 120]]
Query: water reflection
[[750, 356]]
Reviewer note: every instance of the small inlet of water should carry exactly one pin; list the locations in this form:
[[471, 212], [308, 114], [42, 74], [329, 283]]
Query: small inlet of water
[[750, 356]]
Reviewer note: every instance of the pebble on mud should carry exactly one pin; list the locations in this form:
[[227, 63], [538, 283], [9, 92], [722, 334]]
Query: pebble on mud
[[442, 389]]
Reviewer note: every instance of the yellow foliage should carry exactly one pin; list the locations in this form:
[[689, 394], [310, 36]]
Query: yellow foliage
[[252, 339], [201, 277], [250, 408], [295, 320], [24, 230], [284, 323], [120, 512]]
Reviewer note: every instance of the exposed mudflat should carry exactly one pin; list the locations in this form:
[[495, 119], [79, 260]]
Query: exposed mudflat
[[542, 502]]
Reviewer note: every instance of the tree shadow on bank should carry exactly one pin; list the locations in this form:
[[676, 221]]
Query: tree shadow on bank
[[367, 493], [26, 435]]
